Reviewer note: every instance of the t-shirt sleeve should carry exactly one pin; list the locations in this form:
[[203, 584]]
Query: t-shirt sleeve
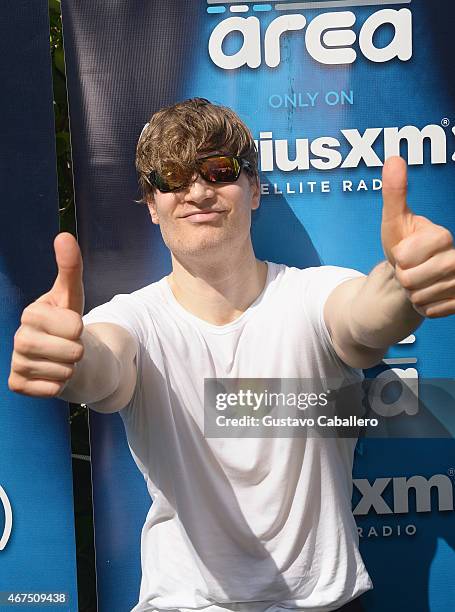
[[320, 283], [123, 310]]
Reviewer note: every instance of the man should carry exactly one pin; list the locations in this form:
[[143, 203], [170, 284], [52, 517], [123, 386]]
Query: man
[[244, 524]]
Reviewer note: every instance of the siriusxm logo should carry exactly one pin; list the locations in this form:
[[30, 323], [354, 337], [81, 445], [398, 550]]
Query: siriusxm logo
[[407, 401], [372, 494], [4, 537], [329, 37], [323, 153]]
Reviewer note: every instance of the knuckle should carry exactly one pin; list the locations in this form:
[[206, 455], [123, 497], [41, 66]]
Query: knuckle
[[78, 352], [16, 363], [28, 311], [68, 373], [396, 253], [405, 279], [77, 327], [13, 383], [445, 237], [30, 314], [18, 334], [26, 316], [22, 342], [37, 314], [416, 299], [403, 253], [448, 267], [49, 389]]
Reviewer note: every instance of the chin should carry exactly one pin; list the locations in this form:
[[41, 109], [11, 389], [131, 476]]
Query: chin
[[200, 246], [199, 239]]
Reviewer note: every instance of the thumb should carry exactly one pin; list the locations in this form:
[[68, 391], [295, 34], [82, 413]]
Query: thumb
[[68, 288], [396, 216], [394, 189]]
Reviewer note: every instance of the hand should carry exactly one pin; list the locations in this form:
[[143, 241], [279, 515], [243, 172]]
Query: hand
[[47, 344], [421, 251]]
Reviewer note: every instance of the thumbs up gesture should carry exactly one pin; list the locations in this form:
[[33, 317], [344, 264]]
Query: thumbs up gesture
[[421, 251], [47, 344]]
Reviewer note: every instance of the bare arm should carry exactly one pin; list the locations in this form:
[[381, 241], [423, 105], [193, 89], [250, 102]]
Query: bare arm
[[56, 355], [105, 377], [366, 315]]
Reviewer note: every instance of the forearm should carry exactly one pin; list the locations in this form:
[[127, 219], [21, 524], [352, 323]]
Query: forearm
[[97, 374], [381, 314]]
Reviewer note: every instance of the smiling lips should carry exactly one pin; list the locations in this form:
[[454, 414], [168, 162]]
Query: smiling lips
[[202, 216]]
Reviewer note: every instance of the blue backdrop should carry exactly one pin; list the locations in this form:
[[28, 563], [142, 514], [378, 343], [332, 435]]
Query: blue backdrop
[[328, 89], [37, 545]]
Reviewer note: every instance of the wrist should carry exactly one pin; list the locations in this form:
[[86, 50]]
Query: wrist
[[381, 312], [95, 376]]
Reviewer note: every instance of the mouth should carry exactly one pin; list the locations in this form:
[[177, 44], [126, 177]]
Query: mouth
[[202, 216]]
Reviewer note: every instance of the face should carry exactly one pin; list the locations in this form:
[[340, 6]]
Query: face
[[206, 218]]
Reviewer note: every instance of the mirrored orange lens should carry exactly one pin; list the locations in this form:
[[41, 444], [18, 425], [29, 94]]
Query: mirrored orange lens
[[220, 169], [217, 169], [170, 180]]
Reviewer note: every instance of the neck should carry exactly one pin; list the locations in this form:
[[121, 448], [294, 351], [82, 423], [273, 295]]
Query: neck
[[218, 293]]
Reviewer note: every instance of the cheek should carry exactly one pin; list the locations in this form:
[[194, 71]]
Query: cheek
[[239, 195], [246, 193], [162, 208]]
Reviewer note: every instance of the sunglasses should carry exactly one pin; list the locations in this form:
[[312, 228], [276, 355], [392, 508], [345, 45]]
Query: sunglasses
[[213, 168]]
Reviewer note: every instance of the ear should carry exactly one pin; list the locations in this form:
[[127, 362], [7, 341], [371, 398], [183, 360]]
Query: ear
[[151, 205], [255, 194]]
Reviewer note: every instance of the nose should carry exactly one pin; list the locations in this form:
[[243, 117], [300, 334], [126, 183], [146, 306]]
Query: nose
[[199, 190]]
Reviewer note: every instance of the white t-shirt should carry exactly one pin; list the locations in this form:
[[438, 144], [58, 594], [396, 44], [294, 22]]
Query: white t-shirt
[[238, 524]]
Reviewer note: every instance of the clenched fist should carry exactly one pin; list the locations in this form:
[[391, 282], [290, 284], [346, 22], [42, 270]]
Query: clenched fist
[[422, 252], [47, 344]]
